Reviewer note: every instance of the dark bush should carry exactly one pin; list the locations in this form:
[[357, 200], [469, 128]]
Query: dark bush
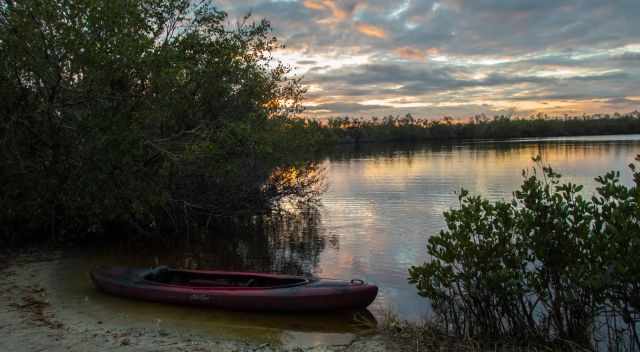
[[548, 266], [139, 112]]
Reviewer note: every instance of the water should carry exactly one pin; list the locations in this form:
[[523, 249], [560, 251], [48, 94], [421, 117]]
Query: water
[[381, 205], [384, 202]]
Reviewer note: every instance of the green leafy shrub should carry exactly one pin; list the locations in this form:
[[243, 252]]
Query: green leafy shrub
[[543, 267]]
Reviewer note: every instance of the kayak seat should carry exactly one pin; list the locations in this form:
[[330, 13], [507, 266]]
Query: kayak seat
[[160, 274]]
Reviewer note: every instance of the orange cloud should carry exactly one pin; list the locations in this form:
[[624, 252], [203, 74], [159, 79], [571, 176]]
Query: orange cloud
[[433, 51], [371, 30], [416, 54], [313, 5], [338, 13], [411, 54]]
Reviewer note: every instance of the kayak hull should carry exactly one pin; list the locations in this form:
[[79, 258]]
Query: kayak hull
[[311, 294]]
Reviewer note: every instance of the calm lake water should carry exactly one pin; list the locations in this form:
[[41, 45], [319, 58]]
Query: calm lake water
[[381, 205]]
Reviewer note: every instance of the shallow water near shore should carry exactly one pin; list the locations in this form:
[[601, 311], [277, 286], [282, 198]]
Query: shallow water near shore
[[72, 291], [381, 205]]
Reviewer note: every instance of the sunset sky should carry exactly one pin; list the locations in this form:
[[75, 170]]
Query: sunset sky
[[458, 57]]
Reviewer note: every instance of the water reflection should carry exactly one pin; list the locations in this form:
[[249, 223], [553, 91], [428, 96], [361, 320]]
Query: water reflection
[[381, 205], [284, 243], [384, 201]]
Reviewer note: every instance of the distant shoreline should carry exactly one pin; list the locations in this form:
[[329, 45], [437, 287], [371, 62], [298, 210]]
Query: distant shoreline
[[345, 131], [569, 138]]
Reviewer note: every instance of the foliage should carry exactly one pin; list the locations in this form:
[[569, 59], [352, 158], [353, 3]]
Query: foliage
[[617, 223], [138, 112], [427, 335], [410, 129], [544, 267]]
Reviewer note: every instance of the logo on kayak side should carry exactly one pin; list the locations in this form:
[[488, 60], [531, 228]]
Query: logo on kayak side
[[199, 297]]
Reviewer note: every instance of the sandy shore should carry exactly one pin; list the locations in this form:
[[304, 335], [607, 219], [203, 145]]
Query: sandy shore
[[31, 321]]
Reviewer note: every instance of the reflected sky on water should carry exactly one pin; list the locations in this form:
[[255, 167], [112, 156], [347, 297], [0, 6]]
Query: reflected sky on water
[[381, 205], [383, 202]]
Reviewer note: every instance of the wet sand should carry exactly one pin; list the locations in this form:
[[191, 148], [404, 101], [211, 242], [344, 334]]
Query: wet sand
[[35, 316]]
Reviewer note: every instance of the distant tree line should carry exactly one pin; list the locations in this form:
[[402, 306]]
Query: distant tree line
[[410, 129]]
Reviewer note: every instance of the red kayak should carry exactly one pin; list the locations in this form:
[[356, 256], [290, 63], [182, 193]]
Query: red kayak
[[235, 290]]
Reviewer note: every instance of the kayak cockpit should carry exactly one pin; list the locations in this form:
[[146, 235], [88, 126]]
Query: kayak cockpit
[[188, 278]]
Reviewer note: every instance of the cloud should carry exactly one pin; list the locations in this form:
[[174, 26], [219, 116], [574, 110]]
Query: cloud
[[306, 62], [433, 51], [344, 108], [371, 30], [630, 57], [436, 55], [313, 5], [622, 101], [411, 54], [339, 12]]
